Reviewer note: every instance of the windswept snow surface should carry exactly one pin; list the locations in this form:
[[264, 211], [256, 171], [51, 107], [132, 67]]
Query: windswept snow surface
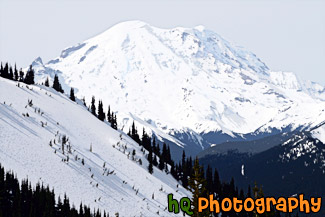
[[185, 80], [124, 186]]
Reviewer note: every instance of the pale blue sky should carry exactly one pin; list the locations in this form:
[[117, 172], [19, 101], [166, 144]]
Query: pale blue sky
[[288, 35]]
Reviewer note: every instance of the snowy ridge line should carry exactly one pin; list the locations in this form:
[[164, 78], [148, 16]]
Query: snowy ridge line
[[317, 126]]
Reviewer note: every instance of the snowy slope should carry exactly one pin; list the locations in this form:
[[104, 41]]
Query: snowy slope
[[185, 81], [124, 186]]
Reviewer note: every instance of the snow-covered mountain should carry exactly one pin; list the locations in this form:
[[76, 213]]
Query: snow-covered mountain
[[36, 121], [188, 86]]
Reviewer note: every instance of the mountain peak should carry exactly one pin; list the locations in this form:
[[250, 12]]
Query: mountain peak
[[37, 61], [201, 28], [194, 44], [184, 80], [122, 28], [130, 24]]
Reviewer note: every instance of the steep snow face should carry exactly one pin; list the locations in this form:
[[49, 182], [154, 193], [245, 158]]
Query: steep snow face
[[31, 137], [184, 80]]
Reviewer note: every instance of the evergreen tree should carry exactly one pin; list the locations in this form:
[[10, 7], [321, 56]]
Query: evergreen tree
[[47, 83], [255, 191], [56, 84], [109, 117], [101, 114], [184, 171], [164, 154], [134, 130], [72, 97], [81, 210], [5, 72], [16, 76], [29, 78], [134, 134], [162, 158], [93, 107], [21, 75], [11, 74], [145, 140], [216, 183], [114, 121], [150, 166], [155, 161], [197, 186], [232, 191], [161, 165]]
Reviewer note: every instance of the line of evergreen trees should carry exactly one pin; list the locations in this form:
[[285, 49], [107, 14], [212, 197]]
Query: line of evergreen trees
[[100, 114], [7, 71], [22, 200], [165, 160], [56, 85]]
